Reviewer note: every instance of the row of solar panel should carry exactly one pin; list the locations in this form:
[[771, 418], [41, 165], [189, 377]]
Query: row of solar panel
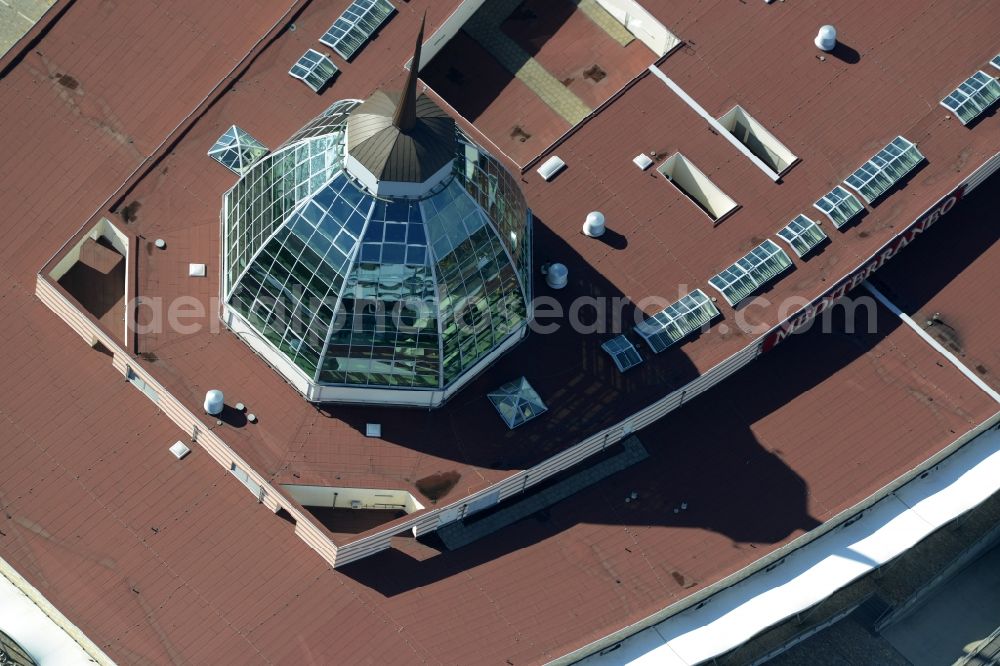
[[346, 36]]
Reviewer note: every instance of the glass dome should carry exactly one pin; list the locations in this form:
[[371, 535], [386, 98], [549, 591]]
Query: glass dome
[[354, 294]]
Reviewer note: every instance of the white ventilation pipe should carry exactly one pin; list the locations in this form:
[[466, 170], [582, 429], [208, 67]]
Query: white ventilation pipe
[[594, 225], [826, 38], [214, 402], [557, 276]]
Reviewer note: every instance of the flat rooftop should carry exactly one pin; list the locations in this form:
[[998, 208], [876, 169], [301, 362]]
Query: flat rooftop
[[659, 245], [159, 560], [819, 437]]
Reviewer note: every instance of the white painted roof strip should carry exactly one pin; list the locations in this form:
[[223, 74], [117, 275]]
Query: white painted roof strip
[[33, 630], [716, 125], [815, 571]]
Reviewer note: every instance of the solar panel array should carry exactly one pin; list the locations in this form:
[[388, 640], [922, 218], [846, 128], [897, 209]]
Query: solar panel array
[[885, 169], [678, 320], [802, 234], [755, 269], [623, 352], [973, 96], [314, 68], [840, 206], [356, 25]]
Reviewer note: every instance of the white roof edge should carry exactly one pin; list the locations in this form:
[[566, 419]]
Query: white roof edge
[[813, 572]]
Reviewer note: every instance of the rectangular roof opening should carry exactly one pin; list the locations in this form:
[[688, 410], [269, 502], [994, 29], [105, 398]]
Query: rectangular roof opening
[[697, 187], [972, 97], [758, 140], [356, 26], [802, 234], [839, 205], [677, 321], [889, 165], [752, 271], [623, 352]]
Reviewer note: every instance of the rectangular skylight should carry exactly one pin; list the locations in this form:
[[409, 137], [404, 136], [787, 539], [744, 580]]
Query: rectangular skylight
[[996, 61], [758, 140], [973, 96], [314, 68], [885, 169], [677, 321], [623, 352], [802, 234], [356, 26], [696, 186], [840, 206], [755, 269]]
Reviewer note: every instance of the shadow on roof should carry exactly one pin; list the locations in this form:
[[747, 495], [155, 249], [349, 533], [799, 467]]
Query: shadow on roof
[[707, 471]]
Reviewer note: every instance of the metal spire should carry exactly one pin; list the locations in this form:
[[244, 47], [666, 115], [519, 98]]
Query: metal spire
[[406, 112]]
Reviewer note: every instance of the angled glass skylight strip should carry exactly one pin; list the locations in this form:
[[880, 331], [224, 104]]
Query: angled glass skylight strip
[[840, 206], [623, 352], [973, 96], [755, 269], [356, 25], [314, 68], [678, 320], [802, 234], [517, 402], [885, 169], [996, 61], [237, 150]]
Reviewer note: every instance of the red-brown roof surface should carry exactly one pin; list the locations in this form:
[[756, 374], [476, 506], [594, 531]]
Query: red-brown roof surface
[[803, 433]]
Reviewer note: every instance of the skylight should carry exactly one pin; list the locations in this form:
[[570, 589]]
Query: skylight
[[764, 145], [356, 25], [517, 402], [623, 352], [840, 206], [885, 169], [237, 150], [996, 61], [755, 269], [973, 96], [314, 68], [696, 186], [678, 320], [802, 234]]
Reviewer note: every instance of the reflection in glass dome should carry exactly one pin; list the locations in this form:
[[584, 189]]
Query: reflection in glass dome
[[368, 284]]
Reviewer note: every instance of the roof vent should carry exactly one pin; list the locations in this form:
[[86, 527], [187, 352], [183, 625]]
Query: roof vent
[[213, 402], [180, 449], [594, 226], [826, 39], [556, 275], [160, 243], [373, 430]]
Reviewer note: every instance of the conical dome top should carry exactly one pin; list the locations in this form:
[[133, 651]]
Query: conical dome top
[[400, 138]]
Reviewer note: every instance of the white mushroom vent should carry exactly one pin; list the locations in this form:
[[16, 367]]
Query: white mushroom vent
[[214, 402], [556, 275], [594, 224], [826, 39]]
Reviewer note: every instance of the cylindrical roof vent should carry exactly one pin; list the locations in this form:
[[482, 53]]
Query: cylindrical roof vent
[[214, 402], [557, 276], [594, 225], [826, 39]]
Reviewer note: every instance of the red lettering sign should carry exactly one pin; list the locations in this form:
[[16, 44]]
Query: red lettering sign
[[864, 271]]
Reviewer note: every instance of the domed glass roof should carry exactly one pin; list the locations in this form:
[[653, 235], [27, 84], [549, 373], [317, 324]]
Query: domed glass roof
[[341, 289]]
